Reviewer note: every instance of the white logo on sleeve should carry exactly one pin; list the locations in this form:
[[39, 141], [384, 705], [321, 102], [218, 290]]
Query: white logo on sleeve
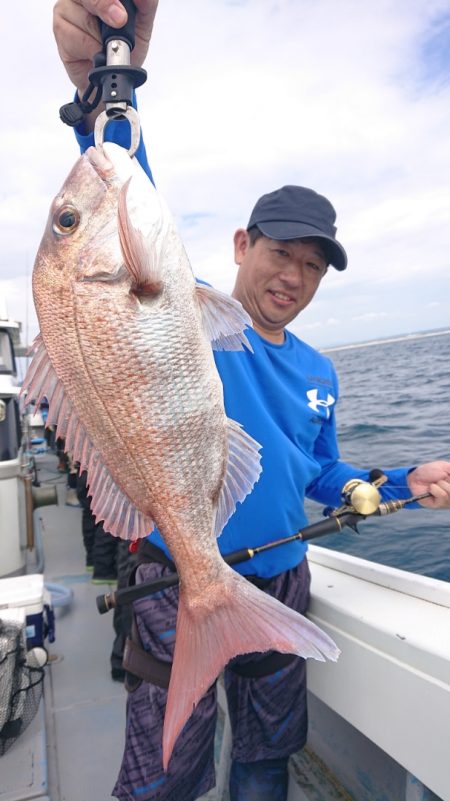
[[315, 402]]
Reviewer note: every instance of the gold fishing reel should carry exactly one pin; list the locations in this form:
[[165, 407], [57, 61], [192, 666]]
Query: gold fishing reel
[[361, 496]]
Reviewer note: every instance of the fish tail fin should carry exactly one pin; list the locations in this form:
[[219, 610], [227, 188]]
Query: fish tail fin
[[244, 620]]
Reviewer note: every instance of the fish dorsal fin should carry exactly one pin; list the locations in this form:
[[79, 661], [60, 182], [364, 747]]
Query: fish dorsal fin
[[109, 503], [224, 319], [242, 473]]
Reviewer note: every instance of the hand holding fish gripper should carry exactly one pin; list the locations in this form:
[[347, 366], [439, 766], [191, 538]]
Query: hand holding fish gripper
[[361, 499], [114, 79]]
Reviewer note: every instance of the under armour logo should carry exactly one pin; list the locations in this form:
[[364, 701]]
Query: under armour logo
[[315, 402]]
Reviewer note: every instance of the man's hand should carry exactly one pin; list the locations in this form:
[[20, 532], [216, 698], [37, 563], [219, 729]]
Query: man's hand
[[77, 33], [433, 477]]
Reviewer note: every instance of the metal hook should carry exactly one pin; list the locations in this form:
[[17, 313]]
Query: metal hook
[[130, 114]]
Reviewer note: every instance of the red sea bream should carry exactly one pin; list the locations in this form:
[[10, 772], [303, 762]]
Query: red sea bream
[[124, 357]]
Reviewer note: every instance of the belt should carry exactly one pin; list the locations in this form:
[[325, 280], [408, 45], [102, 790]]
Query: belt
[[140, 665]]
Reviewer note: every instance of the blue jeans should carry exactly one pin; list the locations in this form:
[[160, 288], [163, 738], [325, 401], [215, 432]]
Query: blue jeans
[[266, 780]]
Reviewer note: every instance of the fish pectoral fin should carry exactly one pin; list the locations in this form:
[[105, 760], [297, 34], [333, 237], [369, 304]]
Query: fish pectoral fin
[[246, 621], [224, 319], [108, 502], [242, 473], [136, 254]]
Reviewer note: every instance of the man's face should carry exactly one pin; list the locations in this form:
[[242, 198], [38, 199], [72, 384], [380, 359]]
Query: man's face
[[276, 279]]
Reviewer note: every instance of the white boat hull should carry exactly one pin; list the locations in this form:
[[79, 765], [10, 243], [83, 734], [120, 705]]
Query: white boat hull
[[392, 680]]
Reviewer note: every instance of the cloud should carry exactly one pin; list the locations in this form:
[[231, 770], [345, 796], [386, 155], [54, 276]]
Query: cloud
[[370, 316], [351, 98]]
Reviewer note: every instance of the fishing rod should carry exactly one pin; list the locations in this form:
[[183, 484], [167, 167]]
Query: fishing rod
[[361, 500]]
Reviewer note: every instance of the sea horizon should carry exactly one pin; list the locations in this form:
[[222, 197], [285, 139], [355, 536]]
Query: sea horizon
[[432, 332]]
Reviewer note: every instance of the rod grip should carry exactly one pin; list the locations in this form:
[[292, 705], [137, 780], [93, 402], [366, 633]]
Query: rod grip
[[127, 32], [238, 556]]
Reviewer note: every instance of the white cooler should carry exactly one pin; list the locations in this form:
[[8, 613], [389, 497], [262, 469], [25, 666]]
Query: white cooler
[[28, 594], [25, 621]]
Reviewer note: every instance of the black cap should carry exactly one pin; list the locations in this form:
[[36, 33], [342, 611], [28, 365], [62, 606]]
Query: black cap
[[294, 212]]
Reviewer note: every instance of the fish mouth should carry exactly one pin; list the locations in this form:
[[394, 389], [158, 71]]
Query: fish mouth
[[111, 162], [102, 165]]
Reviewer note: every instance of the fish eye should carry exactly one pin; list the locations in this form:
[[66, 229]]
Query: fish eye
[[66, 220]]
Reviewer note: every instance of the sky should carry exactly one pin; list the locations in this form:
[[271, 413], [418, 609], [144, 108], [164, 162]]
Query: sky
[[348, 97]]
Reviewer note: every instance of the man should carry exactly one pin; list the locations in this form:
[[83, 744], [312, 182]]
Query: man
[[284, 394]]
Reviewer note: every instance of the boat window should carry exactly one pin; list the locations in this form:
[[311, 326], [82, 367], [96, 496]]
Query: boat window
[[10, 430], [7, 363]]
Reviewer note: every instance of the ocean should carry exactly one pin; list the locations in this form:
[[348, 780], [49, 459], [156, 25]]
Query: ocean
[[394, 410]]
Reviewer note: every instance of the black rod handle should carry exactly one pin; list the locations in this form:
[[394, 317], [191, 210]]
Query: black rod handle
[[126, 33], [129, 594], [328, 526]]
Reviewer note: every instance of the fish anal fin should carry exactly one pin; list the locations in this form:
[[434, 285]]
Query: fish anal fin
[[112, 506], [224, 319], [242, 473], [246, 620]]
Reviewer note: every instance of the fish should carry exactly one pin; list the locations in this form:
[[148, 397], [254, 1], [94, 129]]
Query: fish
[[125, 359]]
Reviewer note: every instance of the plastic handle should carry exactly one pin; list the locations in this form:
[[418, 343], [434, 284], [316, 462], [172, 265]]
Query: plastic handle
[[127, 33]]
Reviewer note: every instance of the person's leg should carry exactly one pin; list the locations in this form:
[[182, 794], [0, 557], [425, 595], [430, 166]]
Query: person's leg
[[62, 456], [269, 720], [268, 714], [122, 613], [104, 554], [266, 780], [87, 520], [190, 771], [72, 480]]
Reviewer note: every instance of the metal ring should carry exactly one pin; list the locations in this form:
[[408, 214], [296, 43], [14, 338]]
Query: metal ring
[[133, 118]]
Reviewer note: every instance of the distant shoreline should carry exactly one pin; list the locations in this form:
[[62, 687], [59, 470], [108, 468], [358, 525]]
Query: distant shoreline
[[400, 338]]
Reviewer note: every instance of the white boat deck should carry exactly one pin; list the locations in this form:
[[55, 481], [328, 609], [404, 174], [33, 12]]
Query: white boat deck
[[84, 708]]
